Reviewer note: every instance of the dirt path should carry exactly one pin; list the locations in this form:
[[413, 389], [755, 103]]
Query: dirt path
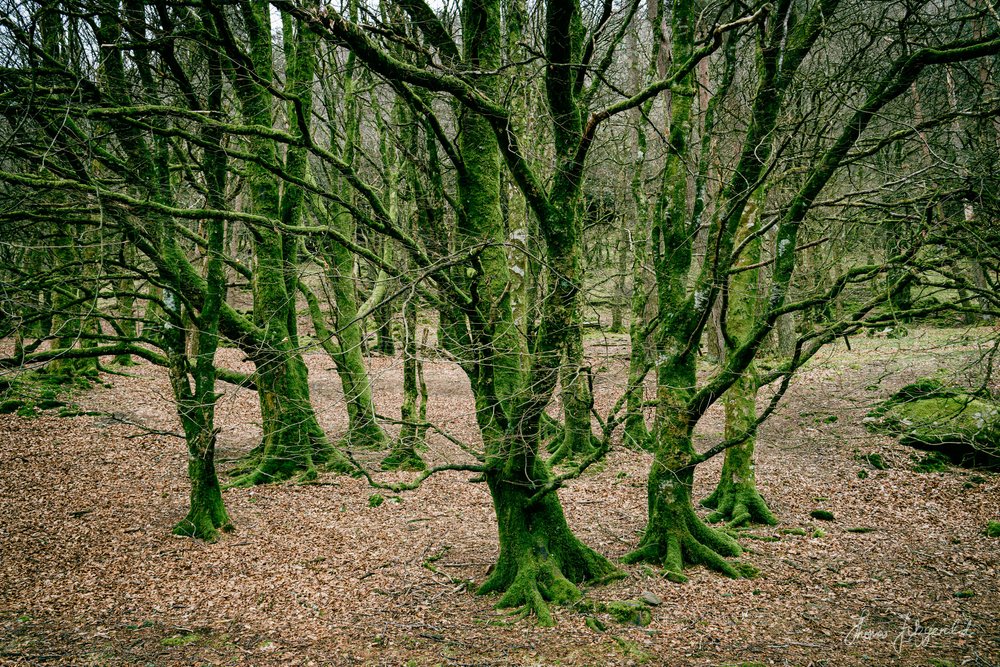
[[90, 575]]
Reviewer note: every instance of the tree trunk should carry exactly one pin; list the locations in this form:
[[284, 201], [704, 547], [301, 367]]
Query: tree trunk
[[207, 514], [404, 450], [540, 561], [736, 498], [577, 439], [675, 537]]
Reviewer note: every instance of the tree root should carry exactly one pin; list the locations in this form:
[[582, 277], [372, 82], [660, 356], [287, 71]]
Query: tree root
[[403, 458], [204, 524], [532, 590], [739, 505], [675, 547]]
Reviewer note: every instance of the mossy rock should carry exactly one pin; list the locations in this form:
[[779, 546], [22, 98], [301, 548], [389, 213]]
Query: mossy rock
[[630, 612], [822, 515], [10, 407], [933, 462], [993, 529], [961, 426]]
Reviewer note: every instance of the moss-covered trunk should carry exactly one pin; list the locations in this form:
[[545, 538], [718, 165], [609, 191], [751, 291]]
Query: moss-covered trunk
[[736, 499], [675, 537], [540, 561], [577, 438], [363, 430], [293, 440], [207, 514]]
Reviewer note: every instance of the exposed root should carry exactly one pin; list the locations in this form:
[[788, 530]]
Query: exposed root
[[564, 448], [403, 458], [369, 438], [532, 589], [738, 505], [686, 543], [303, 463], [541, 561], [204, 523]]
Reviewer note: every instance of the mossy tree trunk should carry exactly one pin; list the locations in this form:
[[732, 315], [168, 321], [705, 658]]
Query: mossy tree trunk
[[293, 441], [736, 498], [674, 534], [193, 384], [541, 561], [348, 353], [675, 537], [196, 404], [404, 454], [577, 439]]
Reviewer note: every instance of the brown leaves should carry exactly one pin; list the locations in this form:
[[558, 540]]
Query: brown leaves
[[89, 573]]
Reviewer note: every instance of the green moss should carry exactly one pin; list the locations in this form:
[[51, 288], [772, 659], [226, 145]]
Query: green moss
[[27, 411], [966, 593], [375, 500], [876, 461], [403, 458], [10, 406], [818, 533], [180, 640], [993, 529], [793, 531], [860, 529], [746, 570], [595, 624], [933, 462], [630, 649], [760, 538], [630, 612], [862, 474], [822, 515], [927, 414]]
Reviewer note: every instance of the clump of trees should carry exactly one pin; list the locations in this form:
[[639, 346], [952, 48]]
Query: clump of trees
[[782, 174]]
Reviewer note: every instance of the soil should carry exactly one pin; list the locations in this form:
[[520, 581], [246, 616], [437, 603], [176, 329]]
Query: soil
[[314, 575]]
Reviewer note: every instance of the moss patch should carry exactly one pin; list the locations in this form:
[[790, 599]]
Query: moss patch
[[964, 427], [933, 462], [181, 640]]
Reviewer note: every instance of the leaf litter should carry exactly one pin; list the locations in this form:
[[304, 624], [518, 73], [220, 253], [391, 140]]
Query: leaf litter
[[313, 575]]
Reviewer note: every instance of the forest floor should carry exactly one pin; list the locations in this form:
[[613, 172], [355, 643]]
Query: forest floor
[[314, 575]]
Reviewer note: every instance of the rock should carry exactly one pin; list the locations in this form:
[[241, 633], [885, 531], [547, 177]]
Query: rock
[[651, 599], [961, 427]]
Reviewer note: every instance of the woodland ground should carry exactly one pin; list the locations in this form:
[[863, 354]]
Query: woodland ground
[[90, 575]]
